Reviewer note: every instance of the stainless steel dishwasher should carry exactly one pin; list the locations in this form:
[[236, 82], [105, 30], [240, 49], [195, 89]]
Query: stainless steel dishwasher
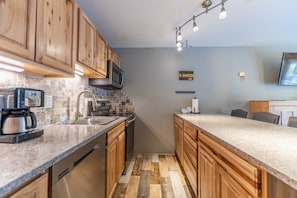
[[81, 174]]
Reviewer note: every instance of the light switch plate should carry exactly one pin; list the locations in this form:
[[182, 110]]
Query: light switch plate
[[48, 101]]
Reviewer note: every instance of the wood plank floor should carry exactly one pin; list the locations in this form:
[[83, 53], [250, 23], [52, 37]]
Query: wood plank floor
[[153, 176]]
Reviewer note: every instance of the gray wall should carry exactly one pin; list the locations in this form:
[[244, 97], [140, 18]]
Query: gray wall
[[151, 79]]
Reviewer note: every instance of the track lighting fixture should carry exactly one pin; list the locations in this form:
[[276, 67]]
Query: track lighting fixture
[[207, 5], [179, 36], [195, 26], [223, 13]]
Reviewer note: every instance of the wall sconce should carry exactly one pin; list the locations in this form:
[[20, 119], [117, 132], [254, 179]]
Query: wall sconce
[[205, 4], [11, 64], [241, 75]]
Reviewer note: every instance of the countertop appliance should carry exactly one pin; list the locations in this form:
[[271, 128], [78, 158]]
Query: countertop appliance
[[17, 122], [81, 174], [113, 80]]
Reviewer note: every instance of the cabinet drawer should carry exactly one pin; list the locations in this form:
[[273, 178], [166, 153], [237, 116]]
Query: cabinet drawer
[[191, 131], [178, 121], [246, 174], [191, 173], [190, 148], [115, 132]]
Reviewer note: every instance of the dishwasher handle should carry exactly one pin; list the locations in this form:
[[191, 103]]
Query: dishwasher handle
[[86, 155]]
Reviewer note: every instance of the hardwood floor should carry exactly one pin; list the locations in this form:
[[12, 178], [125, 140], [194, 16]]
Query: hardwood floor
[[153, 176]]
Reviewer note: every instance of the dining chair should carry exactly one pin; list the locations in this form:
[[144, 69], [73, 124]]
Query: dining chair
[[266, 117], [292, 122], [239, 113]]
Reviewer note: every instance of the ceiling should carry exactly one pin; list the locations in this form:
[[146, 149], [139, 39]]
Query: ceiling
[[152, 23]]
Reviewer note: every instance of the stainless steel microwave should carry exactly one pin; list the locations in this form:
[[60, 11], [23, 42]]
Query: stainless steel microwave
[[113, 80]]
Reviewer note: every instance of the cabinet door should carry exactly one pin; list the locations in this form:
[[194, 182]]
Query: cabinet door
[[178, 128], [120, 155], [17, 29], [111, 55], [55, 33], [86, 41], [207, 174], [101, 55], [111, 167], [228, 187], [37, 189]]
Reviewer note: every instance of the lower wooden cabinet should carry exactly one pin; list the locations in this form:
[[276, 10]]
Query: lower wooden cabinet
[[214, 171], [179, 137], [115, 154], [207, 173], [38, 188], [224, 174], [228, 187]]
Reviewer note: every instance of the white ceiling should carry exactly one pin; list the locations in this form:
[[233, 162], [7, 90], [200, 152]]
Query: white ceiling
[[152, 23]]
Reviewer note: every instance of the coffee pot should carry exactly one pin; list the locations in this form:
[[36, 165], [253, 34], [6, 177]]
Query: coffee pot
[[15, 121]]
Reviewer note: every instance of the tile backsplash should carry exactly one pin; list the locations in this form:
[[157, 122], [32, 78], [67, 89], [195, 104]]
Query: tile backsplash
[[64, 92]]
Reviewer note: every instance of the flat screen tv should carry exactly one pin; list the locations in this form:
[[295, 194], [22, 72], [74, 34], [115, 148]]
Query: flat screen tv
[[288, 69]]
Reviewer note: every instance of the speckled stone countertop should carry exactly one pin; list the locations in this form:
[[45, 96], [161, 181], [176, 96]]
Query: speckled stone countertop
[[21, 162], [269, 146]]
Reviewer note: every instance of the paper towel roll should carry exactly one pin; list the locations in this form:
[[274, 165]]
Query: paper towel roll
[[195, 105]]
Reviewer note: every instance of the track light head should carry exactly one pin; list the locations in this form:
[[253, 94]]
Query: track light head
[[223, 13], [179, 37], [195, 26]]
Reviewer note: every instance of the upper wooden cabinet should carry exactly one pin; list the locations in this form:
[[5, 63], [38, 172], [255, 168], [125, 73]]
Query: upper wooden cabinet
[[49, 52], [86, 41], [101, 54], [112, 55], [55, 34], [17, 29], [91, 48]]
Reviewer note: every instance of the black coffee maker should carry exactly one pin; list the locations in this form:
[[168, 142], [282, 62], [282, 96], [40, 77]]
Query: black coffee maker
[[17, 122]]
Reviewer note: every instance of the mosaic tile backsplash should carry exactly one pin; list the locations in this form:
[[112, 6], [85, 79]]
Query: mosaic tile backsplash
[[64, 92]]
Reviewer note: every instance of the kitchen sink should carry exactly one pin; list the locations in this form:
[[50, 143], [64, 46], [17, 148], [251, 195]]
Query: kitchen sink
[[95, 120]]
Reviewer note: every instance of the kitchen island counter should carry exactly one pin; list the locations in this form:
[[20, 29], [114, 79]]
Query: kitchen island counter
[[271, 147], [23, 161]]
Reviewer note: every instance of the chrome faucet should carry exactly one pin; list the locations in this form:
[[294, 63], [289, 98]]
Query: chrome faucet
[[77, 104]]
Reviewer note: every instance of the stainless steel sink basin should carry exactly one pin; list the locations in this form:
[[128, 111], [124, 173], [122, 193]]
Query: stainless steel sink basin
[[95, 120]]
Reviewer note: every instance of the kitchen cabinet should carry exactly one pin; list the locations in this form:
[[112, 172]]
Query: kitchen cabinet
[[224, 174], [115, 153], [55, 34], [101, 54], [190, 155], [283, 108], [207, 173], [40, 34], [17, 30], [186, 149], [91, 48], [37, 188], [113, 56], [179, 137]]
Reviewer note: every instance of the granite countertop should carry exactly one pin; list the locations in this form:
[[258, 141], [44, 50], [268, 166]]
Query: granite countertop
[[269, 146], [21, 162]]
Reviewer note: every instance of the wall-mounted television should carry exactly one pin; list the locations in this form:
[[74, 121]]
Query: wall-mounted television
[[288, 69]]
